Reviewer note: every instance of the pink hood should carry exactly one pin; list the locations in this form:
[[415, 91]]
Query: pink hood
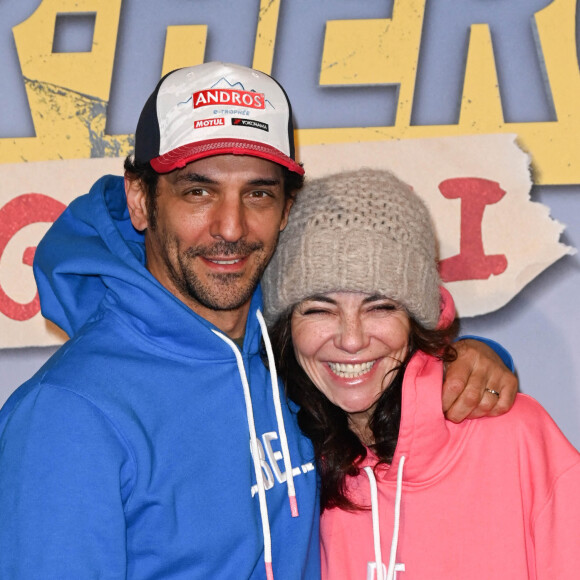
[[488, 498]]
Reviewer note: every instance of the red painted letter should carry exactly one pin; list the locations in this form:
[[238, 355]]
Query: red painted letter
[[471, 263], [19, 212]]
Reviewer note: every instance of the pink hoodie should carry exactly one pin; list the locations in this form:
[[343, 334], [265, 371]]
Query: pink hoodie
[[489, 499]]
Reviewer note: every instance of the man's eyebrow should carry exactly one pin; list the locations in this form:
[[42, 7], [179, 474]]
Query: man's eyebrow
[[192, 177], [265, 181]]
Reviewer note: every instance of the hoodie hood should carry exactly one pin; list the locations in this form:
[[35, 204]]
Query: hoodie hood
[[92, 257], [424, 432]]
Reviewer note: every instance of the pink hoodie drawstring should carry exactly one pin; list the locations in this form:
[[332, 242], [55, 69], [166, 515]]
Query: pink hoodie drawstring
[[376, 518]]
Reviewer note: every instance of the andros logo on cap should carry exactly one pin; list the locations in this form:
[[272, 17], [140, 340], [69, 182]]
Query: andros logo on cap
[[232, 97]]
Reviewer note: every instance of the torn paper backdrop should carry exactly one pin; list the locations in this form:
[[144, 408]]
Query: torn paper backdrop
[[31, 197], [493, 239], [477, 188]]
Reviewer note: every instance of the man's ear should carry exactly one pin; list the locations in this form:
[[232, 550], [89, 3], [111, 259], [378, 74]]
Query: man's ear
[[137, 203], [287, 207]]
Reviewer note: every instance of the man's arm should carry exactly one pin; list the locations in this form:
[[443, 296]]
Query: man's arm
[[479, 369], [62, 470]]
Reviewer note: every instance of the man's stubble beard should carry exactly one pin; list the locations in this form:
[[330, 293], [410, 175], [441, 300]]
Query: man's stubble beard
[[220, 291]]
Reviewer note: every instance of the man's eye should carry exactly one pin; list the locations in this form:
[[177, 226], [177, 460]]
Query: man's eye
[[198, 191], [194, 192], [260, 194]]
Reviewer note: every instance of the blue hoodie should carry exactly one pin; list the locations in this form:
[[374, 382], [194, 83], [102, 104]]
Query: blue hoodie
[[128, 455]]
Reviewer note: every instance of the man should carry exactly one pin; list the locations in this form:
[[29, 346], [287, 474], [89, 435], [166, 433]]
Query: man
[[127, 455]]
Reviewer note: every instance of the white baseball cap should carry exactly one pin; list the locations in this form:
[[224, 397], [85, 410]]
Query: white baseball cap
[[214, 109]]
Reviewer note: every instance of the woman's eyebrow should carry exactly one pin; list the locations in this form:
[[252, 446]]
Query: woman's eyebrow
[[328, 299], [320, 298], [375, 297]]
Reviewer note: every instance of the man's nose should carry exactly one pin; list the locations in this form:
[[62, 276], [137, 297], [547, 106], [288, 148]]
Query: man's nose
[[229, 220]]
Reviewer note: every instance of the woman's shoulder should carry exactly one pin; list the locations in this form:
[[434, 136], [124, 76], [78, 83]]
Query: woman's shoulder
[[526, 414], [532, 427], [528, 411]]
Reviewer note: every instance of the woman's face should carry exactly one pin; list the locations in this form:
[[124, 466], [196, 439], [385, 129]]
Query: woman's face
[[348, 342]]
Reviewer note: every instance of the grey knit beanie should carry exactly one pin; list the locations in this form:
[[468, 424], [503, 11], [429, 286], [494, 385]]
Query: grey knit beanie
[[361, 231]]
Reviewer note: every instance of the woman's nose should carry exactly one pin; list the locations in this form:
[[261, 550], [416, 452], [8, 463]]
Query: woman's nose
[[352, 337]]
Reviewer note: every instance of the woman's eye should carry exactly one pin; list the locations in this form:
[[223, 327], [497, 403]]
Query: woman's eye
[[314, 310], [384, 307]]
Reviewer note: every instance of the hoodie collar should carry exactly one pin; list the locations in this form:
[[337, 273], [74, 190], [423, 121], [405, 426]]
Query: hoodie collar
[[427, 440]]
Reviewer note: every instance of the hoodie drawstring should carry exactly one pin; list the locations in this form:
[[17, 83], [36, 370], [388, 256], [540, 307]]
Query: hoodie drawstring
[[375, 517], [279, 417], [254, 440], [376, 526]]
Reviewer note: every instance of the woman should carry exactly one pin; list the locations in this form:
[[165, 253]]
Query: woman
[[362, 333]]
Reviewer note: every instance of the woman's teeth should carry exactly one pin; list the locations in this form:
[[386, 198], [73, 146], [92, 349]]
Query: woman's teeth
[[351, 371]]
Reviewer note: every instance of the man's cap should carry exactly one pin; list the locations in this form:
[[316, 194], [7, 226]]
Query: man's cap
[[214, 109]]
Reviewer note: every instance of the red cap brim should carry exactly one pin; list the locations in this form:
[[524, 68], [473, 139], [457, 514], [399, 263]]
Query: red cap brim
[[185, 154]]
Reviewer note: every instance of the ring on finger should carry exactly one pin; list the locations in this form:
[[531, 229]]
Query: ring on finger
[[492, 392]]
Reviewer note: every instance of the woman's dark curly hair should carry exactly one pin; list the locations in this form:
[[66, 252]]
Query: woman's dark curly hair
[[337, 449]]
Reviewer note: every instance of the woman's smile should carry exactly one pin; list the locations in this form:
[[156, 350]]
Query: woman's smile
[[350, 345], [351, 370]]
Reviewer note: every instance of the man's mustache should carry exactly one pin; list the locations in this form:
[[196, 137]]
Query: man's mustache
[[223, 249]]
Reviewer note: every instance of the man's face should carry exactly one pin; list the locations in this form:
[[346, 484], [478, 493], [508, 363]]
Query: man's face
[[217, 224]]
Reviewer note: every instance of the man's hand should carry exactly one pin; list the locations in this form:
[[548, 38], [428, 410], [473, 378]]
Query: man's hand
[[469, 379]]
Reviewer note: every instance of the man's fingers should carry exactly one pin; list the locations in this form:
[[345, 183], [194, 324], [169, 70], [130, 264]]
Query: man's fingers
[[477, 401], [457, 375], [453, 388], [487, 404], [507, 386], [477, 384], [465, 406]]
